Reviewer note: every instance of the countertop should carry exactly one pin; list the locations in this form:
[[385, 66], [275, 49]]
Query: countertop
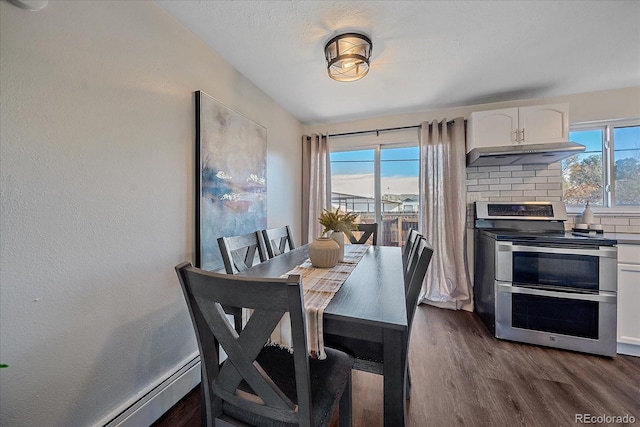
[[624, 238]]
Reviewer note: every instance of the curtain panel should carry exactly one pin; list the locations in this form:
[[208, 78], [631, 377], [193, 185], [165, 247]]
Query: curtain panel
[[443, 214], [316, 184]]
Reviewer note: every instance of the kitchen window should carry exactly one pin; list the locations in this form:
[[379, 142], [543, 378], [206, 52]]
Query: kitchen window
[[381, 184], [607, 173]]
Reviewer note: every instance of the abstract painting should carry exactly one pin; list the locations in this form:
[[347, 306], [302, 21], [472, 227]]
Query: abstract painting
[[231, 187]]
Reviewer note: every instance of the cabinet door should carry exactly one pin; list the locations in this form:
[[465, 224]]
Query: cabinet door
[[494, 128], [629, 303], [544, 123]]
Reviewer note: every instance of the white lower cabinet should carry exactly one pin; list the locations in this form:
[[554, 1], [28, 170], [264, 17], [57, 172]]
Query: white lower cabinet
[[629, 299]]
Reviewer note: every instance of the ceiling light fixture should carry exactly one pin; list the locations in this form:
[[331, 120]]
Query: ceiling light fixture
[[348, 56]]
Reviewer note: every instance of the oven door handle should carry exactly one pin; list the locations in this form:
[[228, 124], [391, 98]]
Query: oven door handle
[[601, 251], [606, 297]]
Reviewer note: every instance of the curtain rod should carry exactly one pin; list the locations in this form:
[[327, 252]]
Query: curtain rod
[[377, 131]]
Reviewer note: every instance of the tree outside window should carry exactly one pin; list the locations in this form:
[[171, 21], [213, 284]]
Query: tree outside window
[[607, 173]]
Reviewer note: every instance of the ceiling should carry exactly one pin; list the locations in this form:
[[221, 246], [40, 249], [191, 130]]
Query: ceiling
[[426, 54]]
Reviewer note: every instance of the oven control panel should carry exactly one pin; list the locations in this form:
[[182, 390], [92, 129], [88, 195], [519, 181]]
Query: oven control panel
[[547, 211]]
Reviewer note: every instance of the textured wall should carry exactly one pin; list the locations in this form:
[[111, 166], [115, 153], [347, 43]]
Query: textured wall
[[97, 200]]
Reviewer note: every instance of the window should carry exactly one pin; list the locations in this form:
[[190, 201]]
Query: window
[[381, 184], [607, 173]]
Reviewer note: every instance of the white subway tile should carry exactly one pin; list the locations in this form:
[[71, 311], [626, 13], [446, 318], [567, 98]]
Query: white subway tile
[[511, 193], [511, 168], [510, 180], [627, 228], [488, 168], [500, 187], [523, 186], [535, 180], [523, 173], [478, 175], [500, 175], [614, 221], [489, 181], [477, 188], [472, 182], [546, 172]]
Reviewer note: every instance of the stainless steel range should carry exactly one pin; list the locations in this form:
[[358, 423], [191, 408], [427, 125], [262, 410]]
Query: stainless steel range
[[538, 284]]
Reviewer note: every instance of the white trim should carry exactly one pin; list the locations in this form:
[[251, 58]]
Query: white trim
[[628, 349], [150, 404]]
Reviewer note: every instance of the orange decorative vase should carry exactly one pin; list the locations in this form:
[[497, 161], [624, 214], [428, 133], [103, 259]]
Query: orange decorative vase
[[324, 252]]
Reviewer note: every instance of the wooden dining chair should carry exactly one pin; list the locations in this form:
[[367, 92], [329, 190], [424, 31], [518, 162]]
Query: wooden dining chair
[[278, 241], [368, 230], [258, 384], [239, 253], [369, 355], [409, 246], [412, 258]]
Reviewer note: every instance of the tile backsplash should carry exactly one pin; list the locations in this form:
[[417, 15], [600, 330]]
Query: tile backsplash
[[532, 183]]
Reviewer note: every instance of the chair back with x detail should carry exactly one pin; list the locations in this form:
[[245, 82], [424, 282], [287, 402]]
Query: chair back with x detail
[[258, 384], [368, 230], [239, 252], [277, 240], [409, 245]]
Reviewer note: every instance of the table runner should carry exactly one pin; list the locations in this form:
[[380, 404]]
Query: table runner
[[319, 287]]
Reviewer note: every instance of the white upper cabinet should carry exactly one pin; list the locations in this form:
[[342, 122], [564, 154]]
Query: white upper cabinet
[[519, 125]]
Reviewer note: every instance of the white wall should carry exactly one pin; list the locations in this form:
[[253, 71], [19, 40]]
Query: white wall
[[97, 200], [583, 107]]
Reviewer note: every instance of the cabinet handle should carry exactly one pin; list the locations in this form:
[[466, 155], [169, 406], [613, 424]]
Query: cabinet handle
[[522, 135], [515, 136]]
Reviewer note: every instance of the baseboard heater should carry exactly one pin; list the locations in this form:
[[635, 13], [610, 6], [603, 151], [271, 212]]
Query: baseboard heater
[[150, 407]]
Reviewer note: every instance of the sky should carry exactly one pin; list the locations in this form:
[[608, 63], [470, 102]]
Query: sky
[[352, 172]]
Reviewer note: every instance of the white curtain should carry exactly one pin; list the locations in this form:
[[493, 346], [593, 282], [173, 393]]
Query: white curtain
[[443, 213], [316, 184]]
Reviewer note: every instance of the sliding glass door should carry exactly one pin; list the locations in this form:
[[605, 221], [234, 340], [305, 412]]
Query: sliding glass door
[[381, 184]]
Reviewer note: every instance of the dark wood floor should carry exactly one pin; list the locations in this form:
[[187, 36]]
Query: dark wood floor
[[463, 376]]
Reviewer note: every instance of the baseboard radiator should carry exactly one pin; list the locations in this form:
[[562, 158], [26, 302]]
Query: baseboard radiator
[[159, 399]]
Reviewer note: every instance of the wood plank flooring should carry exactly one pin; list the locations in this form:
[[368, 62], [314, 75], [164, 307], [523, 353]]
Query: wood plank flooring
[[462, 376]]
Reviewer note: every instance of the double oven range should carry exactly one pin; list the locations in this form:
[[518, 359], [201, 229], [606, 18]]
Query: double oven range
[[536, 283]]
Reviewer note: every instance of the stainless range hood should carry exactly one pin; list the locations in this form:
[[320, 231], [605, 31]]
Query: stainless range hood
[[534, 154]]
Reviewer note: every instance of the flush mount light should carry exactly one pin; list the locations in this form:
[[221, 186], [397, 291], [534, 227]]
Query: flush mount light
[[348, 56]]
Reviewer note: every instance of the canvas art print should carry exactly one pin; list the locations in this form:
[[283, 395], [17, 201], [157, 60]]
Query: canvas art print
[[232, 188]]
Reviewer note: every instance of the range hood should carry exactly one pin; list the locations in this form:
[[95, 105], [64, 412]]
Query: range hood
[[534, 154]]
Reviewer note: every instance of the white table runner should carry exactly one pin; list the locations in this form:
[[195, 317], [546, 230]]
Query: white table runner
[[320, 285]]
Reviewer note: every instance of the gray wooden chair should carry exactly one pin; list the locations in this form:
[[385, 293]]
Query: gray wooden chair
[[258, 384], [367, 230], [369, 355], [239, 252], [277, 240], [411, 257], [409, 246]]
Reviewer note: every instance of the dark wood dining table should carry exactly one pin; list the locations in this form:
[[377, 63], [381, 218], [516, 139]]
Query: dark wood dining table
[[370, 305]]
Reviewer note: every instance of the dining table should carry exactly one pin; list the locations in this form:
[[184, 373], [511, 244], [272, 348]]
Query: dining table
[[370, 306]]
